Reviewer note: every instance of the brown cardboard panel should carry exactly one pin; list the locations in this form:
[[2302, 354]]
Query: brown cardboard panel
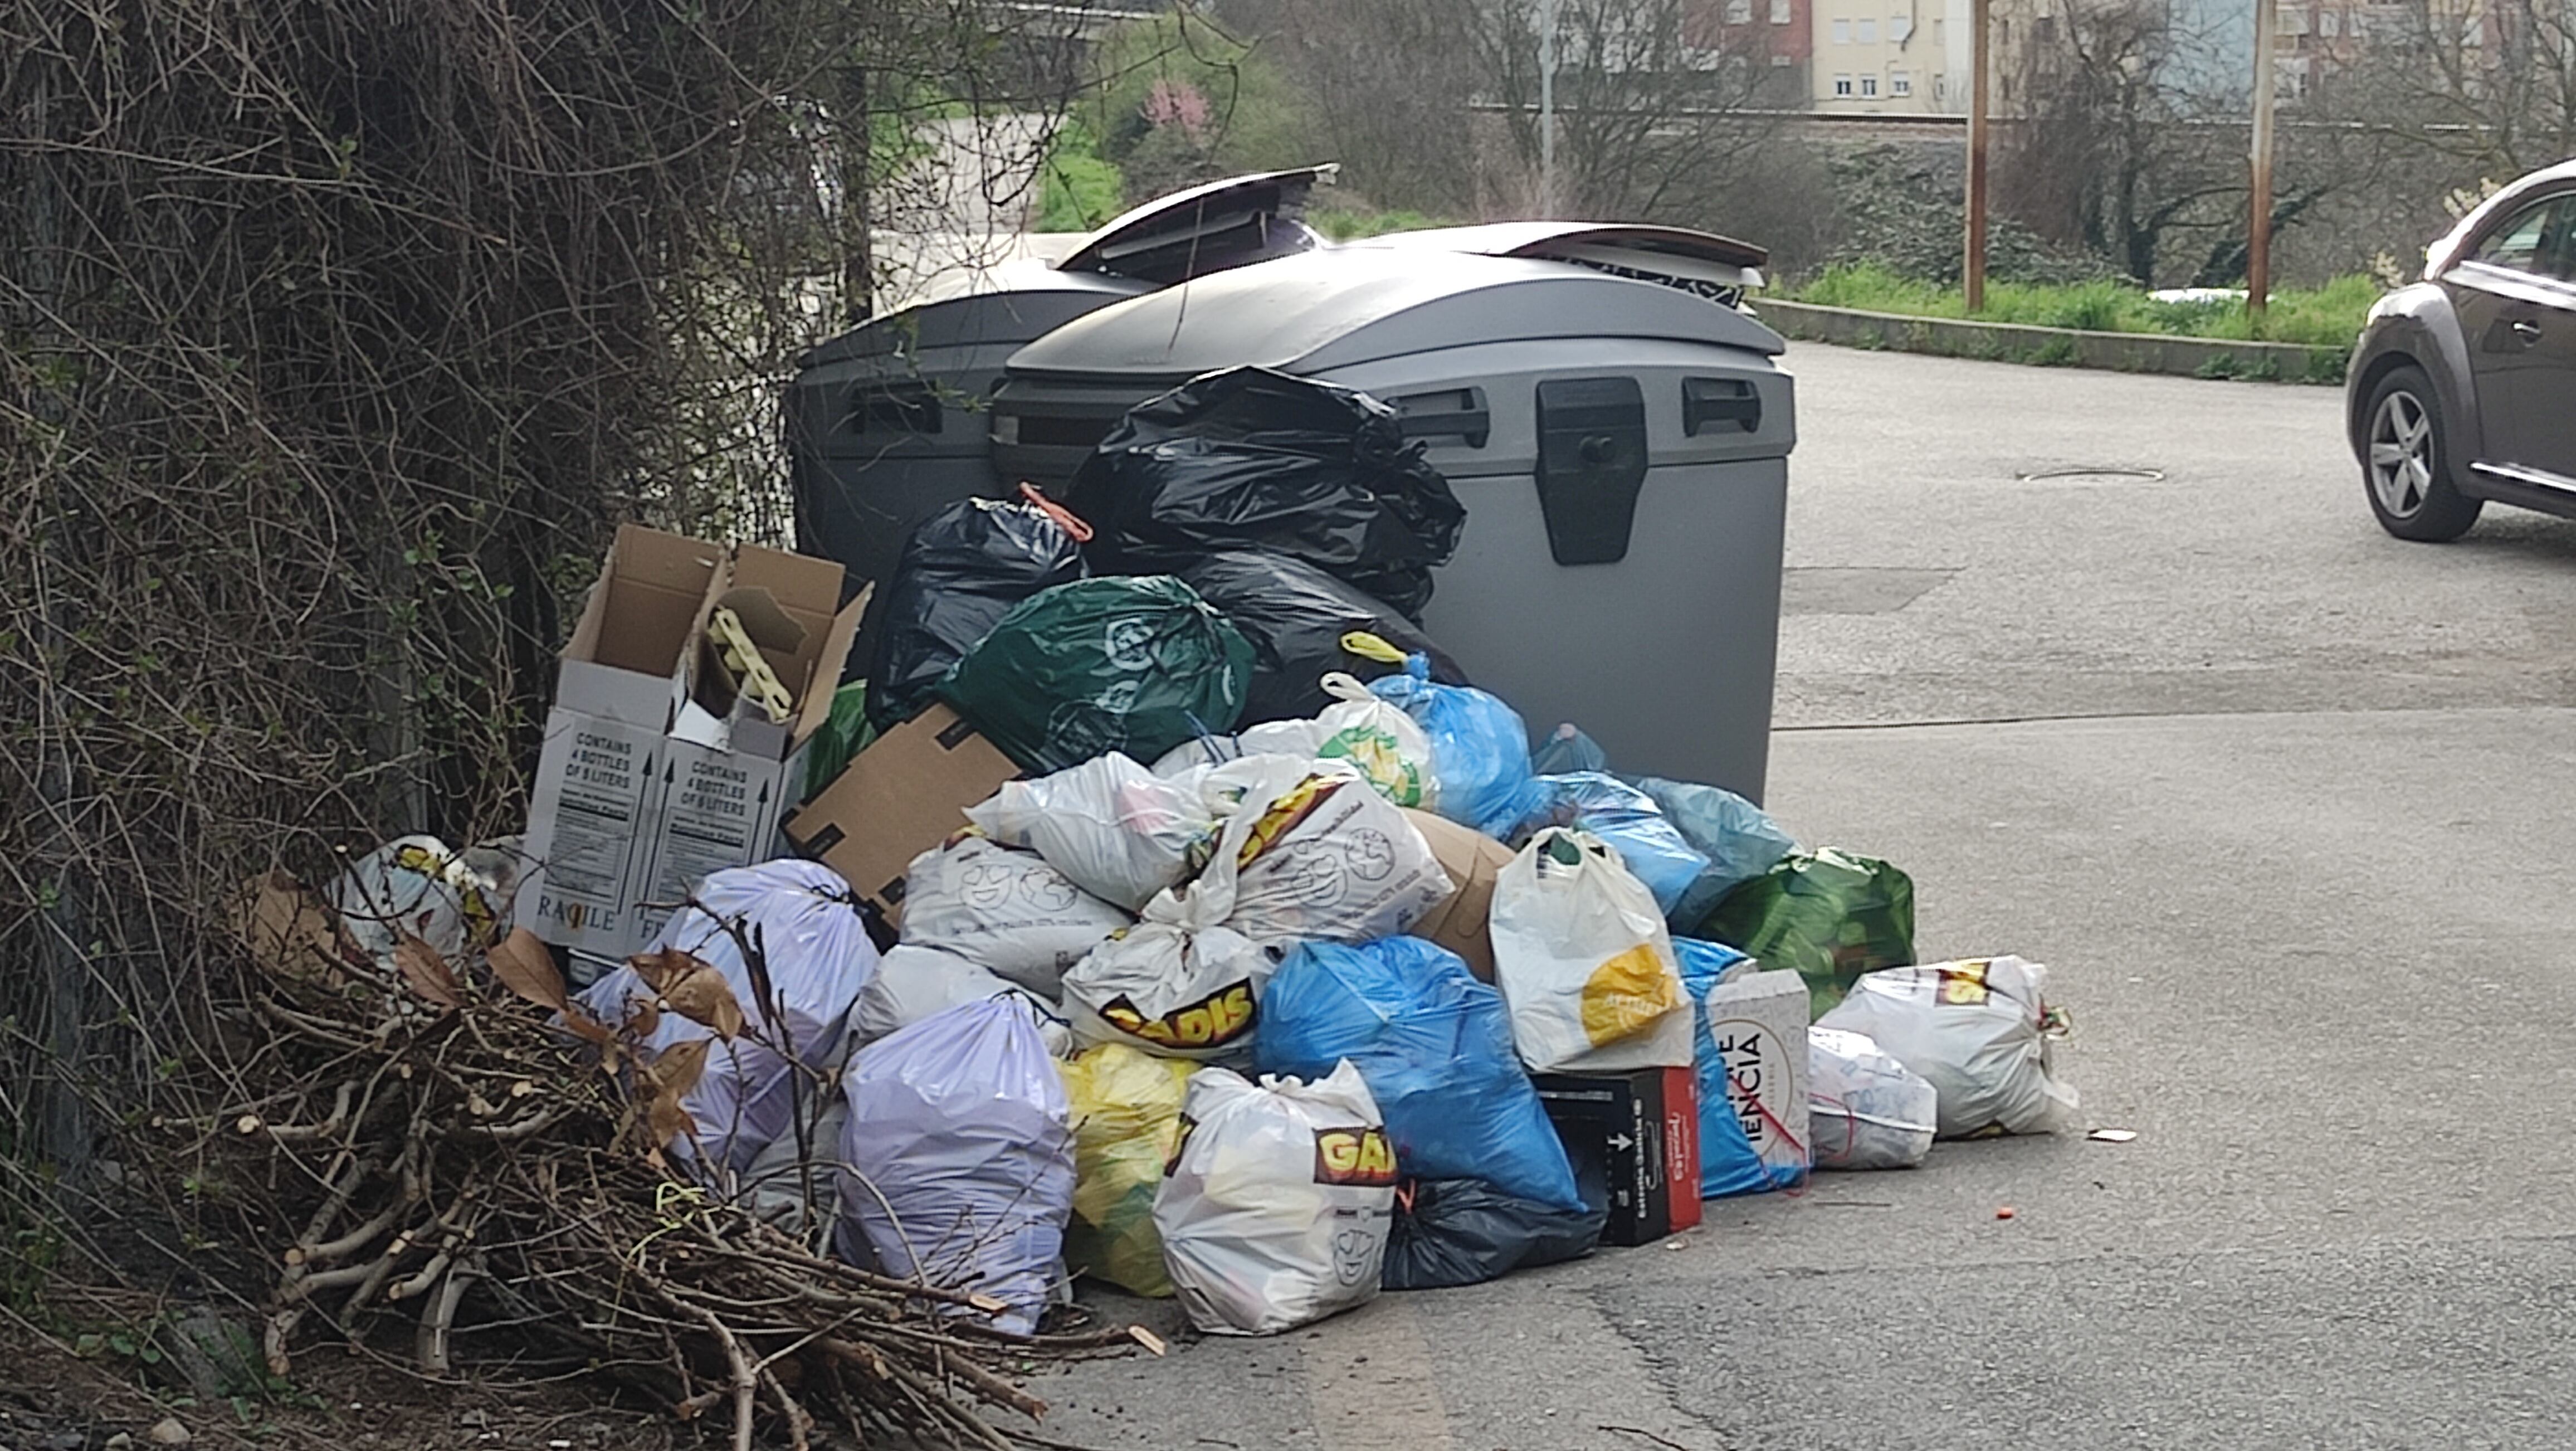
[[639, 616], [906, 793], [1473, 861]]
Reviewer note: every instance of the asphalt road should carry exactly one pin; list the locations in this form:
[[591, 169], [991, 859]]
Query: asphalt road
[[2286, 805]]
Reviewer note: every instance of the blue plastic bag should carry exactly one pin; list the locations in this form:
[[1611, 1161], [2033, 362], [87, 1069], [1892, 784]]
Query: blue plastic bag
[[1727, 1163], [1740, 839], [1435, 1047], [1479, 748], [1567, 748], [1627, 818]]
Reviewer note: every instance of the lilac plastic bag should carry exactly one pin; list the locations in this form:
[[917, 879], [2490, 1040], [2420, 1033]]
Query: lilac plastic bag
[[957, 1161], [819, 957]]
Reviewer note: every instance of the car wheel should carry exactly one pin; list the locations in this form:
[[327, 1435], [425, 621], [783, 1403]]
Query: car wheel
[[2406, 469]]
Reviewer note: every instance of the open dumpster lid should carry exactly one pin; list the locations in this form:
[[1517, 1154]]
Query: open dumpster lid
[[1207, 228], [1348, 305], [1673, 255]]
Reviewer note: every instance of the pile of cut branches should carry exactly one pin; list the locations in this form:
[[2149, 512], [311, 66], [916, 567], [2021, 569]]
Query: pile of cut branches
[[461, 1147]]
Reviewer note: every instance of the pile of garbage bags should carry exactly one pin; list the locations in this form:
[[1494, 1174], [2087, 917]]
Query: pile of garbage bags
[[1267, 981]]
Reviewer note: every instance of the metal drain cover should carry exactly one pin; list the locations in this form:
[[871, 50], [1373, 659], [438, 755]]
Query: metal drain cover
[[2087, 475]]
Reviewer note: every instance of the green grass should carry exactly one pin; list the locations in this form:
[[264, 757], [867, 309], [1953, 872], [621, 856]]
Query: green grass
[[1079, 189], [2322, 317]]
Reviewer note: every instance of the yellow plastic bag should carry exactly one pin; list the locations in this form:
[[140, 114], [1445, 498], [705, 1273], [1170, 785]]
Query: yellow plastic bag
[[1126, 1120]]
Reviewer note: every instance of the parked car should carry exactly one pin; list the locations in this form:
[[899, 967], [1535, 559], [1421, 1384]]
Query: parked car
[[2463, 386]]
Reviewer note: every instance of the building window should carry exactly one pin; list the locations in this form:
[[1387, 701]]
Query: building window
[[2352, 25], [2043, 29], [1780, 11], [1739, 12], [1866, 31], [2329, 24], [1940, 86], [1842, 32], [2294, 19], [1780, 62], [1899, 84], [1869, 85], [1842, 85], [1900, 28]]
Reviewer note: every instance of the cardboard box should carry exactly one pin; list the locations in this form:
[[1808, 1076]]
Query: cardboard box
[[906, 793], [1634, 1142], [653, 773], [732, 771], [1472, 860], [1758, 1024], [595, 810]]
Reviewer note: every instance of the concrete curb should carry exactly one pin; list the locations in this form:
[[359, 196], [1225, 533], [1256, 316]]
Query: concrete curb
[[2008, 342]]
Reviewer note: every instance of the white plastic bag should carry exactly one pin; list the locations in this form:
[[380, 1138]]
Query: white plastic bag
[[1118, 830], [915, 982], [1302, 739], [1979, 1031], [1275, 1210], [819, 957], [1006, 910], [1380, 739], [1585, 962], [1170, 990], [1865, 1110], [413, 886], [958, 1155], [1309, 851], [1757, 1024]]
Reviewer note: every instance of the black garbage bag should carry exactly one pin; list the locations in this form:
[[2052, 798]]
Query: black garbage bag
[[1450, 1232], [960, 572], [1295, 615], [1252, 458]]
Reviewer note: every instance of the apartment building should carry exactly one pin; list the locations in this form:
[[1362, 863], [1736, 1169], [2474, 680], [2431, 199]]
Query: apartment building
[[1890, 57], [1776, 35]]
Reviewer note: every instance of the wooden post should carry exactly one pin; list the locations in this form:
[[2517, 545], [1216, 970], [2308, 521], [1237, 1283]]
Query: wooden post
[[2258, 222], [1972, 268]]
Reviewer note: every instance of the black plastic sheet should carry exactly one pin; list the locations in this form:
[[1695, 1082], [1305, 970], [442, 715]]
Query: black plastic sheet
[[1252, 458], [1466, 1231], [1295, 615], [962, 570]]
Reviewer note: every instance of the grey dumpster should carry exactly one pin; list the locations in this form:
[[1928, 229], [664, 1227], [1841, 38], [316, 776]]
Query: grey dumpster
[[885, 423], [1622, 453]]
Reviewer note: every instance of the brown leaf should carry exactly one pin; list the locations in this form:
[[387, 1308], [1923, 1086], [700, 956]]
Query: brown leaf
[[667, 1080], [661, 969], [427, 972], [703, 997], [524, 966]]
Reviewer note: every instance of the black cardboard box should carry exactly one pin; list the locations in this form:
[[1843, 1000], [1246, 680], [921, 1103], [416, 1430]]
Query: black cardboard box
[[1634, 1141]]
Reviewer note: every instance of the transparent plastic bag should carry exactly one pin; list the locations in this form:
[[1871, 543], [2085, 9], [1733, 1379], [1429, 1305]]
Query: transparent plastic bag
[[1113, 828], [1126, 1122], [1865, 1109]]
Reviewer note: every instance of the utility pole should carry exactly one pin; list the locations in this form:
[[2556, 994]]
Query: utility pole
[[1972, 269], [2258, 224], [1547, 108]]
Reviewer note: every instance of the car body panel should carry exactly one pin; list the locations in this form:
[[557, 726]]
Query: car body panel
[[2500, 348]]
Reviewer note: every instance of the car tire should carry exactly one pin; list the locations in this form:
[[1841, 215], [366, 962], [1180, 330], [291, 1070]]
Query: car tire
[[2406, 461]]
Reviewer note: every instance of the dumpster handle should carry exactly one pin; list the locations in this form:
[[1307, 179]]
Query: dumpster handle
[[1071, 522], [1474, 422]]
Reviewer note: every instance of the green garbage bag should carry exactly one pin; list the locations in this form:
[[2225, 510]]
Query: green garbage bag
[[1827, 915], [1100, 665], [842, 735]]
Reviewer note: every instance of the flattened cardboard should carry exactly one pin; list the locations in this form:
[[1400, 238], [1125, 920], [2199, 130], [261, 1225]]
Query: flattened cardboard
[[1472, 860], [906, 793]]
